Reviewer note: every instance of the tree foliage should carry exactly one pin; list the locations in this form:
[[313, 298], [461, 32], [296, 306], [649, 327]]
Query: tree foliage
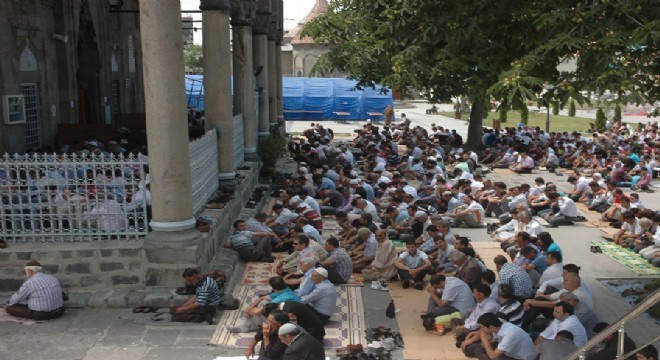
[[601, 119], [193, 56], [506, 49], [617, 112], [571, 109]]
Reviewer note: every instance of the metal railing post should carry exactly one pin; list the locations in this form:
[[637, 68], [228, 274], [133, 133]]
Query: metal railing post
[[621, 341]]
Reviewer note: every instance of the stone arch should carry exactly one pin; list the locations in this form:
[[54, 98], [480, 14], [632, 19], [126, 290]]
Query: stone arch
[[308, 63], [298, 66], [28, 61]]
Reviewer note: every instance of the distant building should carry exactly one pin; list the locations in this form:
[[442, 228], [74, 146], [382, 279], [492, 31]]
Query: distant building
[[188, 27], [72, 61], [300, 50]]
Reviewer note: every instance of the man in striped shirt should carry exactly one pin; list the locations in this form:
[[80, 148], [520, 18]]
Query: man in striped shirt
[[201, 306], [42, 293]]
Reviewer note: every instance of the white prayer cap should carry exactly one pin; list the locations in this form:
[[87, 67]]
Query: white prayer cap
[[321, 271]]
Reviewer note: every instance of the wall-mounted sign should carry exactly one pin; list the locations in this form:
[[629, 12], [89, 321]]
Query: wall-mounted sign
[[13, 109]]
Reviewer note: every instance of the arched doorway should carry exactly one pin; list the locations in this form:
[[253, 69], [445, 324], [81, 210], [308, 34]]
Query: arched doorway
[[89, 65]]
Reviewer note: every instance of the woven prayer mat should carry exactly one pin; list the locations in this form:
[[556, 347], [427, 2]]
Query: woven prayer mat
[[258, 273], [628, 258], [346, 326]]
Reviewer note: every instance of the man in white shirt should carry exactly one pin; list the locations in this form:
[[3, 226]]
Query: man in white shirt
[[567, 210], [564, 320], [471, 213], [555, 266], [412, 265]]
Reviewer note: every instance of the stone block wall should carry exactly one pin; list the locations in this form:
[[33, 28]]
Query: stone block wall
[[79, 266]]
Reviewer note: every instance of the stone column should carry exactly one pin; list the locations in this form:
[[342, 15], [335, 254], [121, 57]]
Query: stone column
[[278, 66], [167, 129], [260, 50], [217, 82], [272, 64], [243, 13]]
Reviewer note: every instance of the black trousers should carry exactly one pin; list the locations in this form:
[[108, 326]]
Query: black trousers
[[23, 311]]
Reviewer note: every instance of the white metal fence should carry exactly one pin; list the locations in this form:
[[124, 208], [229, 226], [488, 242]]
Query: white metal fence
[[204, 169], [59, 198]]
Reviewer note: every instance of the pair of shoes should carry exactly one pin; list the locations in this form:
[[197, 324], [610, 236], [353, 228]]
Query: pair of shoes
[[426, 316], [145, 309], [380, 285], [596, 249], [215, 205], [406, 284], [3, 244], [419, 285]]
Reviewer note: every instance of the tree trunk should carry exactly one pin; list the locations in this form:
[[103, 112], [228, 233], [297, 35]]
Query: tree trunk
[[475, 130]]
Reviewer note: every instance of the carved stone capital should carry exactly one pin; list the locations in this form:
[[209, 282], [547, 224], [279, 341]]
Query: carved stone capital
[[243, 12], [262, 21], [218, 5]]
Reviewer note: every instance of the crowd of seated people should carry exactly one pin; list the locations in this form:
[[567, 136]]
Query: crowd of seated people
[[65, 191], [418, 186]]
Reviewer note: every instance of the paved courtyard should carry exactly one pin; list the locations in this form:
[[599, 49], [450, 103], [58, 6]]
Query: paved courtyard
[[104, 334]]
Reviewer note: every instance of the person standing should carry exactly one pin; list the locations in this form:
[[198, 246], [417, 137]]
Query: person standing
[[42, 293]]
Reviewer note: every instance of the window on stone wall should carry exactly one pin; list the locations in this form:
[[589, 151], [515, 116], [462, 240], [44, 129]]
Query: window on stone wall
[[30, 93], [131, 54]]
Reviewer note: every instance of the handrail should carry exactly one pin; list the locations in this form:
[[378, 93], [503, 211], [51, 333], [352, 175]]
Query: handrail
[[617, 326]]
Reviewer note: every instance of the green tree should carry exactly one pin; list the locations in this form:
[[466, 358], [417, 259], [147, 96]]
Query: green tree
[[571, 109], [506, 49], [555, 107], [617, 112], [524, 114], [193, 56], [601, 119], [503, 112]]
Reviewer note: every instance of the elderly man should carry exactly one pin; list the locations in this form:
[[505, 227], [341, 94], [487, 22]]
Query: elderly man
[[201, 306], [42, 293], [323, 298], [524, 222], [300, 344], [468, 268], [412, 266], [382, 268]]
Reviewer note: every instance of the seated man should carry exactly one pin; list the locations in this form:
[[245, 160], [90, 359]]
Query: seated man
[[512, 341], [383, 267], [364, 253], [515, 276], [511, 310], [630, 230], [560, 348], [448, 295], [42, 293], [468, 268], [468, 329], [564, 210], [525, 164], [305, 318], [337, 262], [201, 306], [271, 346], [299, 344], [564, 320], [243, 241], [323, 298], [412, 266], [471, 213]]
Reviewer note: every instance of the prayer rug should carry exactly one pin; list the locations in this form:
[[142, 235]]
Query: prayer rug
[[258, 273], [628, 258], [346, 326], [11, 318]]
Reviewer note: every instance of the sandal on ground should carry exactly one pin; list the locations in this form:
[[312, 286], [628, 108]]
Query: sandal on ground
[[3, 244]]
